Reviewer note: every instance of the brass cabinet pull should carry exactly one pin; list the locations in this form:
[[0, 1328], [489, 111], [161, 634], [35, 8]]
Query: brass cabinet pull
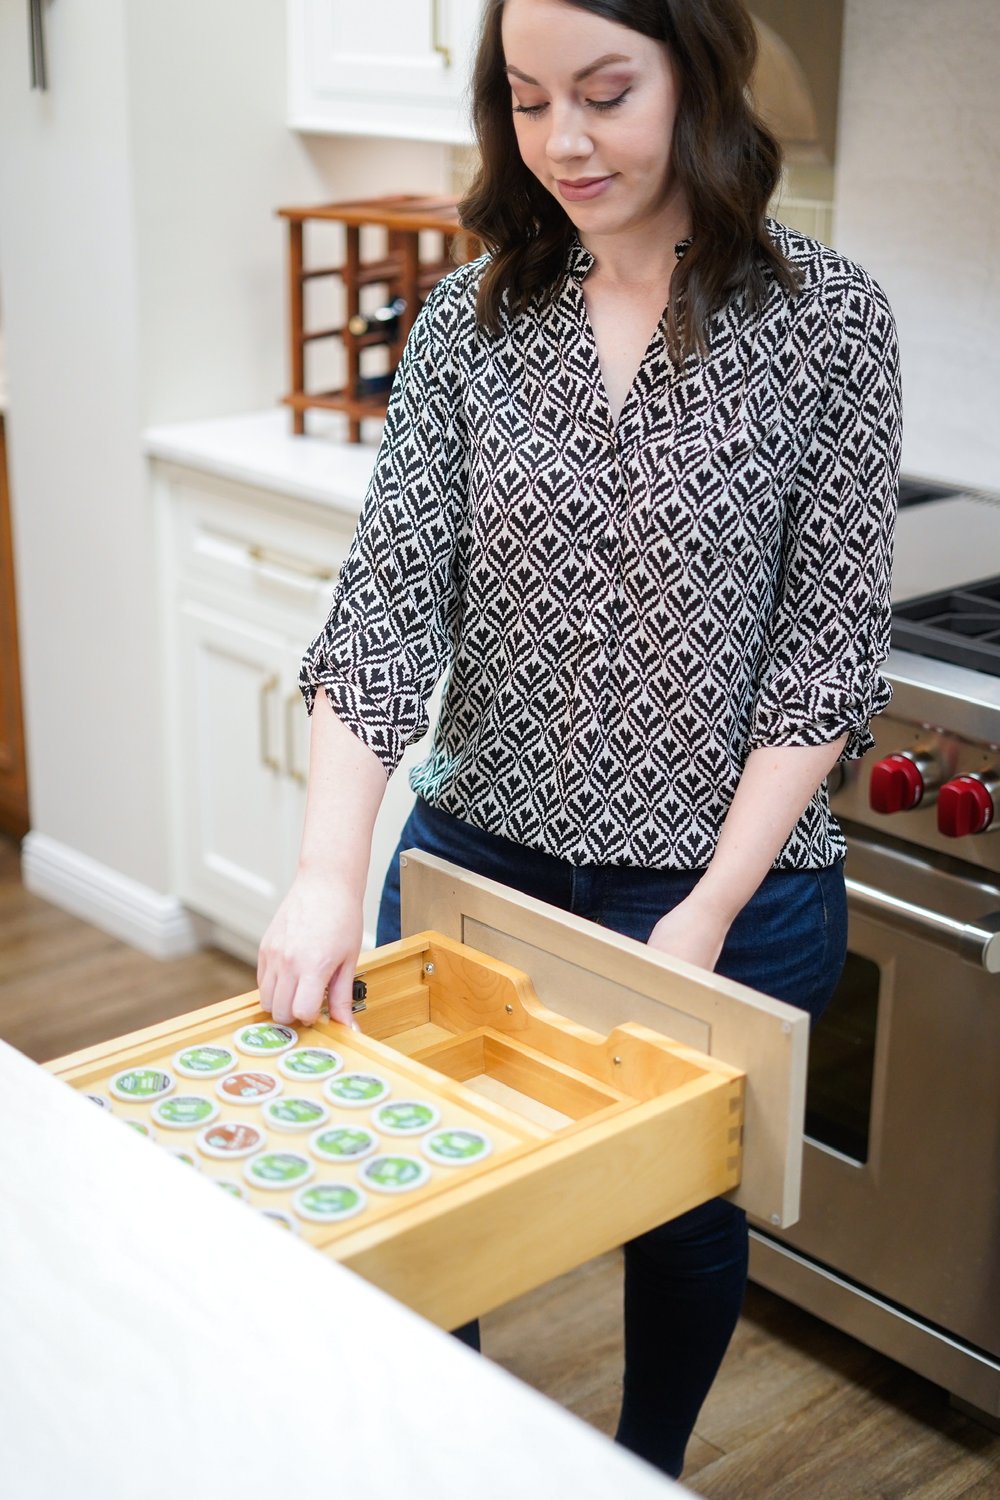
[[268, 558], [440, 47], [292, 703], [267, 758]]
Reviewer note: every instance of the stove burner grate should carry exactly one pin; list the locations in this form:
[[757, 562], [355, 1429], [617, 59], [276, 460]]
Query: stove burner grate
[[961, 626]]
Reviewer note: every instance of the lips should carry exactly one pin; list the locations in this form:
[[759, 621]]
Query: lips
[[583, 187]]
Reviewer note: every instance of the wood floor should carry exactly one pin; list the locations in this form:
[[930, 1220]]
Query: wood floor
[[799, 1412]]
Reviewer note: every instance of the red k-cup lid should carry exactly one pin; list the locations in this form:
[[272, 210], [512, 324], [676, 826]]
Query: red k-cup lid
[[248, 1087]]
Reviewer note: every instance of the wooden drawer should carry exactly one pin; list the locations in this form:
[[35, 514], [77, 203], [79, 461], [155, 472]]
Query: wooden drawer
[[595, 1138]]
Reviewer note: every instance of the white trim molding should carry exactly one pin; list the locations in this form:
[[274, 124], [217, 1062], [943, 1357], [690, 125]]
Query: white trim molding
[[146, 919]]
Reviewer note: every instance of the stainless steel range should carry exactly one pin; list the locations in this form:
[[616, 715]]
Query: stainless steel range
[[899, 1238]]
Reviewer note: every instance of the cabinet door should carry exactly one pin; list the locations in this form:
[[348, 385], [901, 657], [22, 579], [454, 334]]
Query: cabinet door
[[393, 67], [238, 803]]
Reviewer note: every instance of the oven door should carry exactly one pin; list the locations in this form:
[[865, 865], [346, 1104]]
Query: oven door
[[901, 1175]]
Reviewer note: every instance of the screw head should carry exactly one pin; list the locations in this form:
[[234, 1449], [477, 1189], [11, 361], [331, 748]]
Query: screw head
[[775, 1218], [509, 1009], [428, 968], [617, 1061]]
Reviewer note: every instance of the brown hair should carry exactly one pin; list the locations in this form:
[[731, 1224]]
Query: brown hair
[[725, 159]]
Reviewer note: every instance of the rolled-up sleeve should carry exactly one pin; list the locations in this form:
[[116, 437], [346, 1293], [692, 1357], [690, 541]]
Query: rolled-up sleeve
[[389, 634], [829, 631]]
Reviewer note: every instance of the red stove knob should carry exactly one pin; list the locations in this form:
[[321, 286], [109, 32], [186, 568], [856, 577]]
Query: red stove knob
[[964, 806], [896, 784]]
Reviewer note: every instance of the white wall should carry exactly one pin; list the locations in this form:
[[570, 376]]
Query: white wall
[[917, 203], [142, 274]]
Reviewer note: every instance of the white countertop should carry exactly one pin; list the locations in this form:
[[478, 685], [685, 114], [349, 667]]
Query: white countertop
[[161, 1339], [260, 449]]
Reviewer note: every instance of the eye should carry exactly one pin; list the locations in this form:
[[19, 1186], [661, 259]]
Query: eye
[[528, 109], [602, 104]]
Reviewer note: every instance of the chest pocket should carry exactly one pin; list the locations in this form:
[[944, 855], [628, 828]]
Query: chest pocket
[[737, 489]]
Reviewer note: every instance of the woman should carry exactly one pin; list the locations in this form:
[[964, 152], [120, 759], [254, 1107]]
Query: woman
[[635, 493]]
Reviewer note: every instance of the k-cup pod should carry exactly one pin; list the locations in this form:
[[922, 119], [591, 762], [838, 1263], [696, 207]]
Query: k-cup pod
[[265, 1039], [229, 1140], [456, 1148], [141, 1085], [328, 1202], [295, 1114], [311, 1063], [356, 1090], [278, 1169], [343, 1143], [184, 1111], [205, 1061], [393, 1174], [405, 1116], [247, 1087]]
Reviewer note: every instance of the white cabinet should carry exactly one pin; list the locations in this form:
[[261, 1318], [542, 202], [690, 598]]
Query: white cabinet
[[388, 67], [248, 577], [239, 757]]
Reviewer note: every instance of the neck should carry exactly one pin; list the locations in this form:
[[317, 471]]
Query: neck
[[643, 254]]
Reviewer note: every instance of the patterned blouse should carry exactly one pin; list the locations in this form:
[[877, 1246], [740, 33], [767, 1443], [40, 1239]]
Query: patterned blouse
[[625, 610]]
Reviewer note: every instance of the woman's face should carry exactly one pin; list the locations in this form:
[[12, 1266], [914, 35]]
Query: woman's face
[[594, 109]]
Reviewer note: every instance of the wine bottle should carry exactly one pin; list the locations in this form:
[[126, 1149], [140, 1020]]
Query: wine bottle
[[384, 320]]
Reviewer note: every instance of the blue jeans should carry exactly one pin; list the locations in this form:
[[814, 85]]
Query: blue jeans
[[684, 1281]]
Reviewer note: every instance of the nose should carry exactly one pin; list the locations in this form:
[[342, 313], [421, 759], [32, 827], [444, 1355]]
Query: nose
[[568, 139]]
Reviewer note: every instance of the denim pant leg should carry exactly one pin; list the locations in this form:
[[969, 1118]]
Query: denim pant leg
[[684, 1281]]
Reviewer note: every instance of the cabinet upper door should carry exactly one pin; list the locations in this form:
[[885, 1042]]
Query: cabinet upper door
[[389, 67]]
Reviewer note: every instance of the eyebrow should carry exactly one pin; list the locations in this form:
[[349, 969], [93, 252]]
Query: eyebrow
[[609, 57]]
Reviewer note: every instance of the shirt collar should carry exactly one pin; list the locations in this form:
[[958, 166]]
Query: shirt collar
[[579, 260]]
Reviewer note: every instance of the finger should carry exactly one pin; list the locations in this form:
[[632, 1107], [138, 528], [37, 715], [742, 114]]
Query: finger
[[310, 996], [265, 983], [341, 994], [283, 998]]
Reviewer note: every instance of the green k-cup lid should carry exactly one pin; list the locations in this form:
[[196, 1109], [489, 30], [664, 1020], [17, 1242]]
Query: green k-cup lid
[[265, 1039], [278, 1169], [141, 1128], [328, 1202], [405, 1116], [187, 1159], [204, 1061], [311, 1062], [355, 1090], [100, 1101], [394, 1174], [295, 1114], [184, 1111], [457, 1148], [344, 1143], [141, 1085]]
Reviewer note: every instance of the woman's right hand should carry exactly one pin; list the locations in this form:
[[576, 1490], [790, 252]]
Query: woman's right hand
[[309, 952]]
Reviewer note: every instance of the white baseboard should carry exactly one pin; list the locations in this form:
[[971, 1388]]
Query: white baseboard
[[156, 924]]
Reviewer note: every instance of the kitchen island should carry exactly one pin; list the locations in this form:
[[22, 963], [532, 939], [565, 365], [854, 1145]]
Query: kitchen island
[[162, 1339]]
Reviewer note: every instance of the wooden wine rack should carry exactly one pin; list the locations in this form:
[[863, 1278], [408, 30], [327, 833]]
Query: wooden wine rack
[[398, 271]]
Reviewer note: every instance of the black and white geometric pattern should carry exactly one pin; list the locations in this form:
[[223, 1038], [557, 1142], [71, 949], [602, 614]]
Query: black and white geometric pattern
[[625, 611]]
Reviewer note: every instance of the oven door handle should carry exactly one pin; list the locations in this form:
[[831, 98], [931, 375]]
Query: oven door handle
[[977, 942]]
